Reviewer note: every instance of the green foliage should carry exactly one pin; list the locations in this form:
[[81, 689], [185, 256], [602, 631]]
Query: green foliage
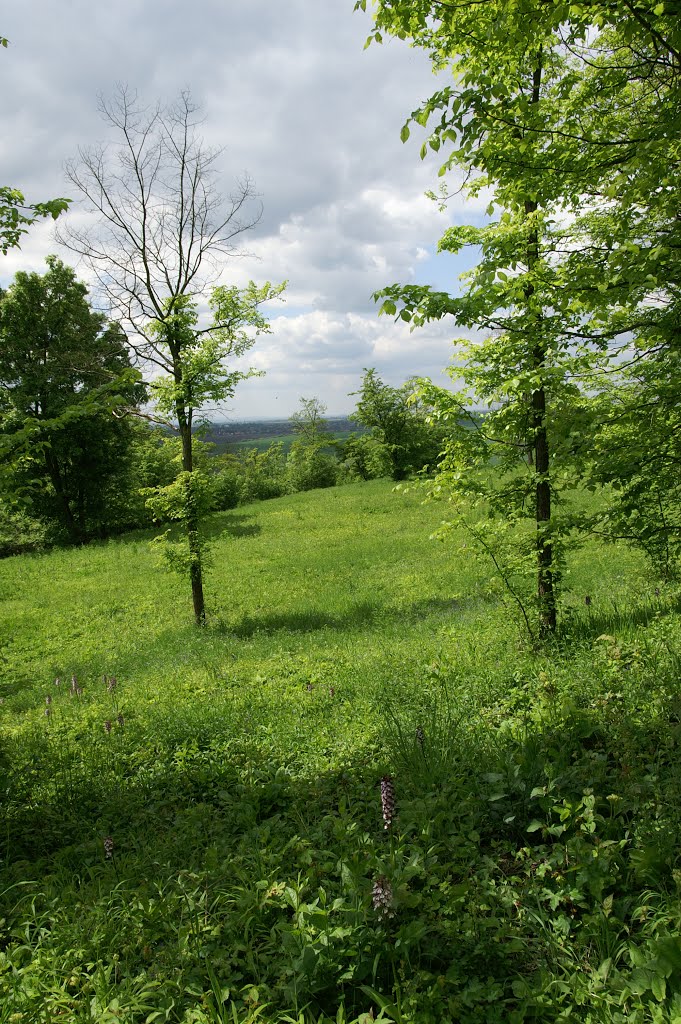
[[201, 374], [20, 532], [65, 386], [364, 457], [311, 460], [16, 215], [309, 464], [263, 473], [399, 424], [226, 484], [197, 360], [575, 134]]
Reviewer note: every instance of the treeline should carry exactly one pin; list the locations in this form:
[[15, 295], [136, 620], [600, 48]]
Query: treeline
[[96, 463]]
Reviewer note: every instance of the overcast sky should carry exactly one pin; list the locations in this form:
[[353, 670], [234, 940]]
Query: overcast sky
[[289, 92]]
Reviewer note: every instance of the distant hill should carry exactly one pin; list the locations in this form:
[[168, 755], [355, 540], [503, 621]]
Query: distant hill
[[224, 434]]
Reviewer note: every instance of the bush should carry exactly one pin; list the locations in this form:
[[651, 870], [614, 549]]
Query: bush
[[226, 486], [20, 533], [264, 474], [309, 466], [364, 457]]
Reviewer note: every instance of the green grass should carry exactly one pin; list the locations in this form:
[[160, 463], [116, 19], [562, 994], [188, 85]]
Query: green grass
[[534, 860]]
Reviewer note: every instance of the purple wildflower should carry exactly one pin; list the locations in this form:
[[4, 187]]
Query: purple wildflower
[[387, 801], [108, 847], [382, 897]]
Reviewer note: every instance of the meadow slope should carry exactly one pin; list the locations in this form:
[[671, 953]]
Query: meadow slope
[[530, 872]]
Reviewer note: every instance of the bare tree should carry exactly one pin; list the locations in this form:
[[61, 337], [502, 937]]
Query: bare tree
[[157, 243]]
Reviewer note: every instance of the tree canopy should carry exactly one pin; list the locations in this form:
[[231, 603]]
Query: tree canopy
[[566, 116], [65, 381]]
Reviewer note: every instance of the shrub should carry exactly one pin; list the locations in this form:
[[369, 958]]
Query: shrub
[[364, 457], [264, 474], [309, 466]]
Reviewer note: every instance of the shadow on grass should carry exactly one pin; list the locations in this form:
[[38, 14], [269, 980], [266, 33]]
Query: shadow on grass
[[221, 855], [232, 524], [596, 619], [356, 617]]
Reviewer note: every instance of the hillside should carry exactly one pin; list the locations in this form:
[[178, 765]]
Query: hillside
[[206, 837]]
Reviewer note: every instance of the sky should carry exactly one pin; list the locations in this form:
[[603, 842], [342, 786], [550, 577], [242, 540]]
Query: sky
[[295, 101]]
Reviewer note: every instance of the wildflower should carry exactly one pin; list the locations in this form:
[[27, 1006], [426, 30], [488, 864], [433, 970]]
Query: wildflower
[[382, 897], [309, 687], [108, 847], [48, 700], [420, 736], [74, 684], [57, 681], [387, 801], [587, 600], [107, 726], [120, 719], [332, 691], [111, 684], [48, 711]]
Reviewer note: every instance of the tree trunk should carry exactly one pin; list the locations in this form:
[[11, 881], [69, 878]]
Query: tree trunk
[[540, 442], [54, 471], [545, 589], [192, 519]]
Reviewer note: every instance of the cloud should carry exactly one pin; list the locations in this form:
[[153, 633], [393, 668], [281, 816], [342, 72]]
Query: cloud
[[292, 98]]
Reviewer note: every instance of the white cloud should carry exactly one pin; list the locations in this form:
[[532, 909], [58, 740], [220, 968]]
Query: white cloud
[[293, 98]]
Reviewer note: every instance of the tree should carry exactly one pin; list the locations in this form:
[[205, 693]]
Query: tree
[[310, 464], [541, 115], [397, 421], [309, 423], [64, 371], [157, 243]]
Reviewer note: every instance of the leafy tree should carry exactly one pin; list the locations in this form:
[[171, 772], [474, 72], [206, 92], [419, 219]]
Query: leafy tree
[[363, 457], [160, 235], [398, 422], [554, 110], [64, 372], [309, 423], [310, 461], [263, 473]]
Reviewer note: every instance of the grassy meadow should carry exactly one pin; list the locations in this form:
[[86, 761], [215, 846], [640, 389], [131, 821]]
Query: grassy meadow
[[194, 823]]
